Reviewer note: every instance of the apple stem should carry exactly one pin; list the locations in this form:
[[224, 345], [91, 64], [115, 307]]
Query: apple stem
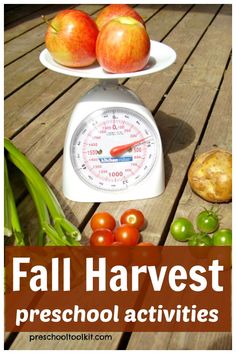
[[48, 23]]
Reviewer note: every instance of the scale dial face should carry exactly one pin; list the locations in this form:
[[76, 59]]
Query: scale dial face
[[98, 134]]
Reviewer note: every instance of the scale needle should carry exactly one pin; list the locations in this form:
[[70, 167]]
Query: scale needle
[[118, 150]]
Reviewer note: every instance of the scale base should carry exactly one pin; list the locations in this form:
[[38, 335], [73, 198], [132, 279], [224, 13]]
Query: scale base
[[78, 191]]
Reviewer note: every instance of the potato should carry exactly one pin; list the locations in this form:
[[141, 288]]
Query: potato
[[210, 176]]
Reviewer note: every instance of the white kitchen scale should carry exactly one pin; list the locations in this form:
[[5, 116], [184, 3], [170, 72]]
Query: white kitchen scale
[[113, 149]]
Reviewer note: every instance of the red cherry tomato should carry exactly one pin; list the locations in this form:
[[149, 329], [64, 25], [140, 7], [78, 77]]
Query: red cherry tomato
[[101, 237], [127, 234], [133, 217], [102, 220]]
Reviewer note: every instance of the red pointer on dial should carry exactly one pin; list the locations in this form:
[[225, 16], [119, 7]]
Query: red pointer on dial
[[118, 150]]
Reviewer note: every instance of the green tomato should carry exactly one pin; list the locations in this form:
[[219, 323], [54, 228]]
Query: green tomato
[[207, 221], [181, 229], [200, 240], [222, 237]]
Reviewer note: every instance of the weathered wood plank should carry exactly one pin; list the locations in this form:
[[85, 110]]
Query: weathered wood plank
[[30, 100], [182, 341], [15, 13], [201, 341], [218, 133], [51, 126], [164, 21], [183, 39], [22, 342], [22, 70], [147, 10]]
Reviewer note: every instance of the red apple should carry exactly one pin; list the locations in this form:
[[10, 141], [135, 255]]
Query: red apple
[[71, 38], [123, 45], [115, 10]]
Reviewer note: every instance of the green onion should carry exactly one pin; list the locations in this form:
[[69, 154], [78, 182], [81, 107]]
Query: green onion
[[7, 213], [62, 232], [12, 212], [42, 215]]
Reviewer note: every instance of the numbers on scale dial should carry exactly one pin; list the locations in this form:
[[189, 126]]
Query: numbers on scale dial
[[103, 130]]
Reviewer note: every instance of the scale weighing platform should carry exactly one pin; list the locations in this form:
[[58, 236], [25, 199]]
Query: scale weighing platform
[[113, 149]]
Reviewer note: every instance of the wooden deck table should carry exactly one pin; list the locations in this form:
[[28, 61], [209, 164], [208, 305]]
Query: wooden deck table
[[191, 103]]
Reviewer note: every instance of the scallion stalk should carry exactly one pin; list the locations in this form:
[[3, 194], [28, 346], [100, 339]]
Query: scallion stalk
[[7, 212], [62, 232], [14, 219], [43, 216]]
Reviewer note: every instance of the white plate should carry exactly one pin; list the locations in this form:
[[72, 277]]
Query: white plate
[[161, 56]]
